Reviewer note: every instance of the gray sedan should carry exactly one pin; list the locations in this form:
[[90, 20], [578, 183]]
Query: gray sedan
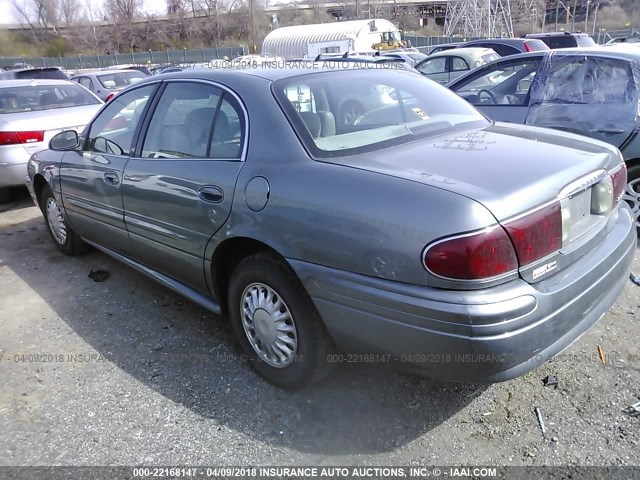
[[429, 237]]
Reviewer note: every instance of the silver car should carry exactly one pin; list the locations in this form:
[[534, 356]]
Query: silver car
[[31, 112], [107, 83], [428, 236], [444, 67]]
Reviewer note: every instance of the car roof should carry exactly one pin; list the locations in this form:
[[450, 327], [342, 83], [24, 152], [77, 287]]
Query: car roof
[[504, 41], [555, 34], [34, 82], [468, 52], [271, 74]]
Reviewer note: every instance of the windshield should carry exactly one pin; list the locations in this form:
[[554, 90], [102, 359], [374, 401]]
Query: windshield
[[116, 80], [43, 97], [351, 112]]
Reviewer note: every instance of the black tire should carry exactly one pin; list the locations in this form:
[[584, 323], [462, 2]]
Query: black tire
[[313, 342], [632, 192], [71, 244], [5, 195]]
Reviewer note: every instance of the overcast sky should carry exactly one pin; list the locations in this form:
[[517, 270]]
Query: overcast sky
[[7, 14]]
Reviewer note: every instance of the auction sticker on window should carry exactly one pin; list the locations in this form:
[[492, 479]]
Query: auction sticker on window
[[420, 113]]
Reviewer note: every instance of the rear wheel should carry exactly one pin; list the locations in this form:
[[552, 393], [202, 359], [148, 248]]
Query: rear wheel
[[63, 236], [5, 195], [276, 322], [632, 192]]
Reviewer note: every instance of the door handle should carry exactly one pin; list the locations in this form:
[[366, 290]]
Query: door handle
[[211, 194], [111, 178], [610, 130]]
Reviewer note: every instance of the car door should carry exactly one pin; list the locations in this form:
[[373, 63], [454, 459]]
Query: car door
[[586, 94], [436, 69], [501, 90], [91, 177], [459, 66], [179, 187]]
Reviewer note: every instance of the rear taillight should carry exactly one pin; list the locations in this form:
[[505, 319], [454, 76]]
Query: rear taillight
[[619, 180], [109, 97], [527, 47], [536, 234], [481, 255], [16, 138]]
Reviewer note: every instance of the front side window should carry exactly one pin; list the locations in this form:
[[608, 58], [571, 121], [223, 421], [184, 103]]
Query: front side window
[[194, 120], [508, 83], [433, 66], [389, 108], [113, 129]]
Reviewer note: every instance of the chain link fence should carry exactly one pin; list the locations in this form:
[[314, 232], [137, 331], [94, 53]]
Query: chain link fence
[[76, 62]]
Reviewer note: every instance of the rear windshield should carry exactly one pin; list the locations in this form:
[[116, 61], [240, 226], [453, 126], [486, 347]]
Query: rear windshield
[[42, 74], [356, 111], [43, 97], [535, 45], [116, 80]]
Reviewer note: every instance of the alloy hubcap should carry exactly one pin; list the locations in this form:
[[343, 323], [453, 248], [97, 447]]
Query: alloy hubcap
[[269, 325], [632, 197], [56, 221]]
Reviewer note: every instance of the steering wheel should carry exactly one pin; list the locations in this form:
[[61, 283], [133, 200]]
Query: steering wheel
[[490, 94]]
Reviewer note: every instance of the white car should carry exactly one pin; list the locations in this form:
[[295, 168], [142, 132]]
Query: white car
[[31, 112]]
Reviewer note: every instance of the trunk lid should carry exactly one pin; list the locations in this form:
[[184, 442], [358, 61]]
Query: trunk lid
[[508, 168]]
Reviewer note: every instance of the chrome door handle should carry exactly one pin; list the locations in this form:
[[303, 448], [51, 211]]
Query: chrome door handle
[[111, 178], [211, 194]]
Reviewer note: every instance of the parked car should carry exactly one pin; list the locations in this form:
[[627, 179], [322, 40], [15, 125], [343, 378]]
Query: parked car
[[410, 58], [141, 68], [590, 91], [446, 66], [51, 73], [107, 83], [31, 113], [439, 48], [456, 247], [618, 40], [507, 46], [563, 39]]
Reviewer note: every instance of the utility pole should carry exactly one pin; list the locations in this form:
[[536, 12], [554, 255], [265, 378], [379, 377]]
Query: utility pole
[[573, 18], [557, 12], [253, 40], [586, 17]]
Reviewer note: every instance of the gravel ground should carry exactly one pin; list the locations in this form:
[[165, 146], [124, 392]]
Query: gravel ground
[[126, 372]]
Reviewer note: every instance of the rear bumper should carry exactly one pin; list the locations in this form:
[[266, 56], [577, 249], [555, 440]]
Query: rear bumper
[[13, 174], [487, 335], [13, 165]]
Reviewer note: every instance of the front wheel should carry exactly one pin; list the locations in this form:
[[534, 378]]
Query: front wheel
[[63, 236], [632, 192], [276, 322]]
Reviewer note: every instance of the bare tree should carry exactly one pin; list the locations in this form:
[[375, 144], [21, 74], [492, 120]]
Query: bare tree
[[120, 11], [69, 11]]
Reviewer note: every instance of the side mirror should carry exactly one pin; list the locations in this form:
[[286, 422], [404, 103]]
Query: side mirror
[[67, 140]]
